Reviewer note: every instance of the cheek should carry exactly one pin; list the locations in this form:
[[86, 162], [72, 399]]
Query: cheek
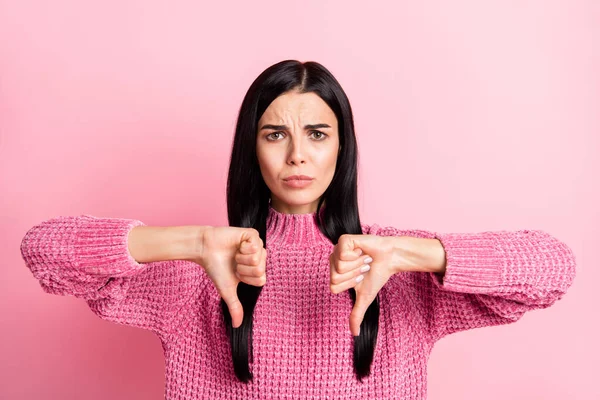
[[267, 167], [327, 160]]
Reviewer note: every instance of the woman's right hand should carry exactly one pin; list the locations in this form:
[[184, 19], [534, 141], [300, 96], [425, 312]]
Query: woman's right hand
[[230, 255]]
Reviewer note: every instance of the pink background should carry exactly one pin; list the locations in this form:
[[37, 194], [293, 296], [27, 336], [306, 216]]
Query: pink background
[[470, 116]]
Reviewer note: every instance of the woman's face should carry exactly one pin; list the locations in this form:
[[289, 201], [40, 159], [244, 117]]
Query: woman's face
[[297, 135]]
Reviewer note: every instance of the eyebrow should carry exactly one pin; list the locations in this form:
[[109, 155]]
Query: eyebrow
[[284, 127]]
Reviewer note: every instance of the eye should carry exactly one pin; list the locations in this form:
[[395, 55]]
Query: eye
[[321, 135], [272, 133]]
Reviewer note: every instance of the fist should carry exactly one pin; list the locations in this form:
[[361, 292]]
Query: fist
[[231, 255], [365, 263]]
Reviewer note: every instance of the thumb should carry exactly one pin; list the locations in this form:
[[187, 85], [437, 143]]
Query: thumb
[[358, 313], [350, 248], [251, 238], [235, 306]]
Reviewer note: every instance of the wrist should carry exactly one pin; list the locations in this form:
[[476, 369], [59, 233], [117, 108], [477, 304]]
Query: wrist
[[176, 242], [419, 254], [161, 243], [194, 247]]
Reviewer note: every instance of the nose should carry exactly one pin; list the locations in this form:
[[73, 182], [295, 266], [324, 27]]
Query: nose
[[296, 156]]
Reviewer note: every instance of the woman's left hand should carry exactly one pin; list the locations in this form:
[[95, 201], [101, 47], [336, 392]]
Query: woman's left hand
[[390, 255], [350, 254]]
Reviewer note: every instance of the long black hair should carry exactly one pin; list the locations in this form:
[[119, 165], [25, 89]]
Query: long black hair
[[248, 195]]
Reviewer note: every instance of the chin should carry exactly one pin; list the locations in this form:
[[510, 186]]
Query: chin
[[297, 199]]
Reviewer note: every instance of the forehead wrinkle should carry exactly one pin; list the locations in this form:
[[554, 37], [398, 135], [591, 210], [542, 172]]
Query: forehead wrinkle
[[288, 118], [297, 111]]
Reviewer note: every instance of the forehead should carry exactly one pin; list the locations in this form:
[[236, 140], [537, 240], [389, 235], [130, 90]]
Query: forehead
[[307, 107]]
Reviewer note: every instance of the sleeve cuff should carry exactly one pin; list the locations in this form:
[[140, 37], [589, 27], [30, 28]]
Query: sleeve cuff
[[101, 246], [472, 263]]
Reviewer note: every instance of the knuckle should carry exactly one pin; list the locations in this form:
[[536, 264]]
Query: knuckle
[[234, 304]]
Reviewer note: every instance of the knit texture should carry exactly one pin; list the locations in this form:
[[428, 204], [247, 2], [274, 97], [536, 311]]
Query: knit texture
[[301, 337]]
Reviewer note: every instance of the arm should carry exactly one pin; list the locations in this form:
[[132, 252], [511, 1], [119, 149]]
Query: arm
[[156, 243], [483, 279], [127, 273]]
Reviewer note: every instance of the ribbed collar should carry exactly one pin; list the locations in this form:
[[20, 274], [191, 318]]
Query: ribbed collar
[[296, 230]]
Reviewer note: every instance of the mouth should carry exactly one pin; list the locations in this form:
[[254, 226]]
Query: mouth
[[298, 178]]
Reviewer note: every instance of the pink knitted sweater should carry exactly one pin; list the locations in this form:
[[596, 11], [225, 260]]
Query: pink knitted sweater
[[302, 343]]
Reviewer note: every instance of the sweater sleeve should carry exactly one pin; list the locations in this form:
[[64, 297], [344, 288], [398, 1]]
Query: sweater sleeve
[[491, 278], [88, 257]]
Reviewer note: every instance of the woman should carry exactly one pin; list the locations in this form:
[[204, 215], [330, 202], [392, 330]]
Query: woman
[[264, 316]]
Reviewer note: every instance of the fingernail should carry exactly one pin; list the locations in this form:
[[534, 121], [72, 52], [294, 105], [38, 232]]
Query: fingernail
[[368, 260], [365, 268], [360, 278]]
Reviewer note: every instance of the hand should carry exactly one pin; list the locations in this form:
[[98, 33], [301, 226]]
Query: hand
[[230, 255], [349, 255]]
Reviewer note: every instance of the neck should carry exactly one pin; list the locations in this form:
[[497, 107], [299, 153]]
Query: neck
[[297, 230]]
